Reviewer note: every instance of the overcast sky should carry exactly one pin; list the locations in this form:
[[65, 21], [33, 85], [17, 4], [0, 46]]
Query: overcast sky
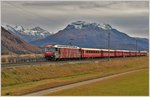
[[131, 17]]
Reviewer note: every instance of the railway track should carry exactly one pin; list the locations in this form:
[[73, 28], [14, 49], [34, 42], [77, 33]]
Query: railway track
[[42, 61], [61, 62]]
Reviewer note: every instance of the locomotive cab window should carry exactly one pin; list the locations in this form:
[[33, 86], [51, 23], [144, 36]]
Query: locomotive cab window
[[49, 49]]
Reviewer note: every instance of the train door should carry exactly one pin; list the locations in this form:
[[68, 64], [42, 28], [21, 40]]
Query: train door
[[57, 52], [102, 53], [80, 53]]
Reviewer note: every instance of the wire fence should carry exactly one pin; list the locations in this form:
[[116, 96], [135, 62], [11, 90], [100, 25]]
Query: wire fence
[[12, 59]]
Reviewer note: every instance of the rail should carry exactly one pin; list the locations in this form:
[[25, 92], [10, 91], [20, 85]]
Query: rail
[[39, 61]]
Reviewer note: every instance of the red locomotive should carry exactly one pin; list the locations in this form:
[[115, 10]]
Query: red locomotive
[[53, 52]]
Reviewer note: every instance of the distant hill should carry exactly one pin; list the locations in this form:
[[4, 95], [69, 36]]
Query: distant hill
[[93, 35], [13, 44], [26, 33]]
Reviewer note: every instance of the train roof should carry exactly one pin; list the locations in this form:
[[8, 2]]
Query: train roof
[[111, 50], [70, 46], [96, 49], [62, 46], [143, 51]]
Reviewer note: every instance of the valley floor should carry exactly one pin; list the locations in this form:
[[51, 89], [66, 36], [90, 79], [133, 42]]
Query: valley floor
[[28, 79], [127, 84]]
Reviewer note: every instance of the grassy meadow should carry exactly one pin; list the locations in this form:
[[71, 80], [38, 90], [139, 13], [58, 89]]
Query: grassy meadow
[[26, 79], [132, 84]]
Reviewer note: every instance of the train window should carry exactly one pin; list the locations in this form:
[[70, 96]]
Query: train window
[[47, 49], [50, 49]]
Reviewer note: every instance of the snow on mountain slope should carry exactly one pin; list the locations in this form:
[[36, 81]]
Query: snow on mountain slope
[[28, 34], [83, 24]]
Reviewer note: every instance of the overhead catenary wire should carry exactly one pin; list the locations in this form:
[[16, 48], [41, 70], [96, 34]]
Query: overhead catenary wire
[[21, 11], [27, 12]]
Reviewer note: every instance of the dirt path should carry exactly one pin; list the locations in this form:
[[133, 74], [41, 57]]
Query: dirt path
[[51, 90]]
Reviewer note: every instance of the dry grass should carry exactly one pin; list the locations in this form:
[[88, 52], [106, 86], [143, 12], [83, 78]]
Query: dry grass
[[21, 80], [14, 57], [132, 84]]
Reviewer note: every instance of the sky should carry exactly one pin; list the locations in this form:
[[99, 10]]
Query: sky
[[130, 17]]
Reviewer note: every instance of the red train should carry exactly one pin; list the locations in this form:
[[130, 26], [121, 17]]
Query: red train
[[53, 52]]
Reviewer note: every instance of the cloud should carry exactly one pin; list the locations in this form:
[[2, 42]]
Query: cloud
[[130, 17]]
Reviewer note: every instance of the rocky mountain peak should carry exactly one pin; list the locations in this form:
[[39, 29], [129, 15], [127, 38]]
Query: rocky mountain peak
[[19, 28], [83, 24], [28, 34], [38, 29]]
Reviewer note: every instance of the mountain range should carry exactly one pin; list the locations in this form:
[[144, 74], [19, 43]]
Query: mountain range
[[93, 35], [11, 43], [28, 34], [20, 40]]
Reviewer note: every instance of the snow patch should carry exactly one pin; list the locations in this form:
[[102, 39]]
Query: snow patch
[[81, 24]]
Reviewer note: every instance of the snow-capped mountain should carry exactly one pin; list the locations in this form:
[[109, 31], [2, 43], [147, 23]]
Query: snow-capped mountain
[[93, 35], [9, 28], [83, 24], [28, 34], [13, 44], [19, 28]]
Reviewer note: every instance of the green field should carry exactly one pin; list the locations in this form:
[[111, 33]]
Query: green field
[[135, 84], [26, 79]]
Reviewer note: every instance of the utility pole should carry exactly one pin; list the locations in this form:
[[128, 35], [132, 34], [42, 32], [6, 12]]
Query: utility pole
[[70, 43], [109, 46], [136, 46]]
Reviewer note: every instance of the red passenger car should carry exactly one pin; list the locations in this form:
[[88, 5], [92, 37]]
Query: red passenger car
[[133, 53], [91, 53], [126, 53], [143, 53], [118, 53]]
